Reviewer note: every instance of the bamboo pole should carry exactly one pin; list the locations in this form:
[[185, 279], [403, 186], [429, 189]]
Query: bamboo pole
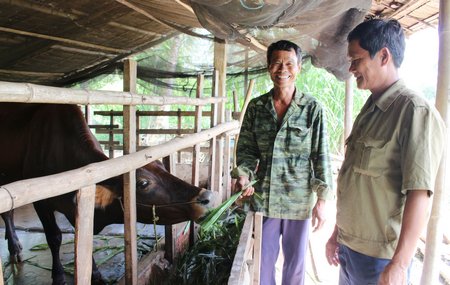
[[129, 184], [248, 96], [197, 128], [84, 231], [24, 192], [430, 271], [213, 141], [348, 114], [64, 40], [220, 64], [33, 93]]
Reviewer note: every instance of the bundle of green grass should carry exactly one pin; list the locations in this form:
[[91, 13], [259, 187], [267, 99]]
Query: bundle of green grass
[[210, 259]]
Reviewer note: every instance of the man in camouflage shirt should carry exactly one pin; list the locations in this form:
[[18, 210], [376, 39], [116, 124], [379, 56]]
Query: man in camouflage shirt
[[283, 145]]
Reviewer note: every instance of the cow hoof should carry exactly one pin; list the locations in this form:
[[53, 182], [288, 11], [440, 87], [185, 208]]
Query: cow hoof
[[96, 281], [59, 281], [15, 251], [97, 278], [16, 258]]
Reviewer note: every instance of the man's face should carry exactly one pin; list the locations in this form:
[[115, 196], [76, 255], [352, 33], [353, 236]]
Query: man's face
[[365, 69], [283, 68]]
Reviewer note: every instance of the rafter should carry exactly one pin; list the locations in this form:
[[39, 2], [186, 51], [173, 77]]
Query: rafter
[[64, 40]]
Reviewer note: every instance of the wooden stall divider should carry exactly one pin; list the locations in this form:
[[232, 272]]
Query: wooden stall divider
[[84, 231], [129, 187]]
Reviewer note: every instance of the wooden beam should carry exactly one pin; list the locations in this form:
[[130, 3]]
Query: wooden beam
[[32, 73], [64, 40], [197, 128], [83, 51], [84, 231], [133, 29], [257, 233], [186, 6], [33, 93], [129, 189], [142, 11], [220, 65], [430, 271]]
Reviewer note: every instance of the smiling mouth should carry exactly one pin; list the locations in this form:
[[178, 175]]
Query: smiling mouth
[[283, 77]]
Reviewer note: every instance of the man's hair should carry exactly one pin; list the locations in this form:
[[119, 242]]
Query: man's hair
[[375, 34], [284, 45]]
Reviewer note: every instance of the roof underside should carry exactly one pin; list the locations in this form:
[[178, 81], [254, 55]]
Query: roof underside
[[58, 42]]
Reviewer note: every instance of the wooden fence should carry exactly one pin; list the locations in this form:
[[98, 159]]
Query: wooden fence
[[246, 264], [84, 179]]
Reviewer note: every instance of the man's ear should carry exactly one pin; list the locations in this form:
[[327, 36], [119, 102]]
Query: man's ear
[[385, 55]]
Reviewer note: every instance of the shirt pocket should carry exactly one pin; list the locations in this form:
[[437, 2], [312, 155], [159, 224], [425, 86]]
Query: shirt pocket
[[372, 156], [298, 139]]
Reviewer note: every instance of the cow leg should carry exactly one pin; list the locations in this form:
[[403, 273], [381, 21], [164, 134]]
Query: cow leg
[[14, 245], [96, 278], [54, 238]]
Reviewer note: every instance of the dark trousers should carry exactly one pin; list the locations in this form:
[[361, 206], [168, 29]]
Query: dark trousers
[[360, 269], [294, 242]]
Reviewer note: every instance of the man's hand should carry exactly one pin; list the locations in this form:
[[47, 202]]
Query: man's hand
[[332, 249], [318, 215], [241, 183], [393, 274]]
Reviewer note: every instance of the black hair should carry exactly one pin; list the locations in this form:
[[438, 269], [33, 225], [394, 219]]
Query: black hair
[[375, 34], [284, 45]]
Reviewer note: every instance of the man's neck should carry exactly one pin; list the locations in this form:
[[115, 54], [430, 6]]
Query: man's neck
[[284, 95], [385, 82]]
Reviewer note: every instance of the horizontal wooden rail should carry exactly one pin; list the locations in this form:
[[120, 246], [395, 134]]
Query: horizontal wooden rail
[[24, 192], [154, 113], [33, 93], [148, 131]]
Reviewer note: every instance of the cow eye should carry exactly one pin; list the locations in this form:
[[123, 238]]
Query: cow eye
[[142, 183]]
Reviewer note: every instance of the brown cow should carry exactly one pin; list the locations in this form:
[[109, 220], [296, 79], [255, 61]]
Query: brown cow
[[43, 139]]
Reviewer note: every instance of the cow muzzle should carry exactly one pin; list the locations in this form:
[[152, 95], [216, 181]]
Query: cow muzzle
[[205, 196]]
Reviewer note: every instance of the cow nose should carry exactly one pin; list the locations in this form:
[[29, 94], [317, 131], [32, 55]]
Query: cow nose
[[204, 197]]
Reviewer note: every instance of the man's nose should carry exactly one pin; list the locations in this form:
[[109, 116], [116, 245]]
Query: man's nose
[[351, 68]]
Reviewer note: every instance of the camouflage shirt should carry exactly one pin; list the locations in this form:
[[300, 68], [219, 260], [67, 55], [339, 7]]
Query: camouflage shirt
[[291, 158]]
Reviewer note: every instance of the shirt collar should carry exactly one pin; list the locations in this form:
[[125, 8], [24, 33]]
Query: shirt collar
[[298, 99], [388, 97]]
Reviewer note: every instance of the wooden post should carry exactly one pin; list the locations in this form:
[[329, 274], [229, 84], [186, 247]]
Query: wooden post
[[213, 141], [220, 64], [430, 271], [348, 112], [84, 231], [129, 187], [248, 97], [179, 131], [196, 152], [111, 135], [1, 271], [138, 128], [197, 129], [227, 164], [257, 232]]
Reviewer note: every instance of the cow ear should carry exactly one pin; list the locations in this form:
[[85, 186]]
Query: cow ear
[[166, 163], [155, 165], [103, 196]]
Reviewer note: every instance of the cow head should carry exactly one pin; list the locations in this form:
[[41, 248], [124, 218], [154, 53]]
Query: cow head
[[173, 199]]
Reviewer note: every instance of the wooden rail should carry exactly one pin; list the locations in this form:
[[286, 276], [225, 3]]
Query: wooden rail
[[246, 264], [33, 93], [24, 192]]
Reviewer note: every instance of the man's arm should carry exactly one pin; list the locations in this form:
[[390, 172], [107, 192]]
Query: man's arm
[[415, 216]]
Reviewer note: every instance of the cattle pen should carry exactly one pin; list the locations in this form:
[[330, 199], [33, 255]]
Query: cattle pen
[[84, 179]]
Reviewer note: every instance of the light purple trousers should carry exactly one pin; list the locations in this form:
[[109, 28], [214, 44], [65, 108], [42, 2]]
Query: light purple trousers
[[294, 242]]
